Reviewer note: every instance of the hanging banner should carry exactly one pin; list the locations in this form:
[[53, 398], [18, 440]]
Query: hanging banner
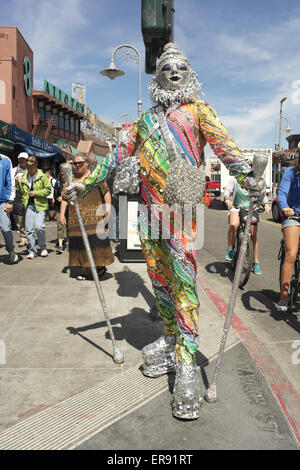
[[34, 145]]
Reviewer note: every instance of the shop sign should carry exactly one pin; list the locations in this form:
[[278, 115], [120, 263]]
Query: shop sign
[[27, 76], [37, 146], [285, 155], [5, 129], [5, 142], [63, 97], [94, 124]]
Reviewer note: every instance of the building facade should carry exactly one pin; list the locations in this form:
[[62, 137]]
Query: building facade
[[16, 78], [47, 123]]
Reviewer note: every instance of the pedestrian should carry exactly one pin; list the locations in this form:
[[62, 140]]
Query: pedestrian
[[237, 198], [90, 211], [168, 170], [7, 196], [20, 219], [34, 187], [51, 213], [61, 229], [289, 202]]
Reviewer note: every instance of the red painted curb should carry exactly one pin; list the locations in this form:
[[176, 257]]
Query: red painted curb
[[288, 398]]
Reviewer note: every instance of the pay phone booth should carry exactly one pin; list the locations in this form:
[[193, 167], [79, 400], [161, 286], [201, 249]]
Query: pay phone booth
[[130, 246]]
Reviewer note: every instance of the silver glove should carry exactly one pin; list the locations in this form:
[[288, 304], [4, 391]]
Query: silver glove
[[255, 188], [74, 191]]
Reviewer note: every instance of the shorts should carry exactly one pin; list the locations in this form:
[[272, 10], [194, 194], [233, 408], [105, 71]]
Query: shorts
[[235, 209], [290, 223]]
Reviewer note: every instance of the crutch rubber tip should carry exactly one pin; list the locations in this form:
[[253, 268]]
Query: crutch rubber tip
[[211, 394], [118, 357]]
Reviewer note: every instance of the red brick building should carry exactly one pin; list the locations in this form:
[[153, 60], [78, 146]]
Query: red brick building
[[37, 119]]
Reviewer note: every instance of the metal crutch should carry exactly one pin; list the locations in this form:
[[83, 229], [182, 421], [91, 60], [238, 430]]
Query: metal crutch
[[259, 164], [118, 356]]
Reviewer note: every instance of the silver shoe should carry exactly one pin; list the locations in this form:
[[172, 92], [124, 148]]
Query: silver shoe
[[186, 399], [159, 357]]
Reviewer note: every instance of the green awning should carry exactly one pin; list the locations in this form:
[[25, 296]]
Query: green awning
[[5, 135]]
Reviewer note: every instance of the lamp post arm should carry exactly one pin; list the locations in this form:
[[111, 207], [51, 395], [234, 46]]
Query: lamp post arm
[[140, 72]]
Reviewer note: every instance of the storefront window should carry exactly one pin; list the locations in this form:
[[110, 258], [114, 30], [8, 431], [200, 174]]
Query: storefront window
[[67, 122], [61, 120], [55, 115], [42, 111], [77, 126], [48, 113], [72, 124]]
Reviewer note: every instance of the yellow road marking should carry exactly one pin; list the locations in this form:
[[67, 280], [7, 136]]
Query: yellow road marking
[[272, 223]]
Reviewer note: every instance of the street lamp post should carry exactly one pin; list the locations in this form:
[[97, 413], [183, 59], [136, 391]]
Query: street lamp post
[[277, 146], [279, 138], [112, 72], [280, 120], [287, 130]]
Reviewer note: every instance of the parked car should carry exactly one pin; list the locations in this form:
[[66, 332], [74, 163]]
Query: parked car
[[213, 186], [276, 212]]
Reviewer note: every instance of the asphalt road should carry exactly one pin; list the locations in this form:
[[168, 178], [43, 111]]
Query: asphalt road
[[256, 301], [269, 236]]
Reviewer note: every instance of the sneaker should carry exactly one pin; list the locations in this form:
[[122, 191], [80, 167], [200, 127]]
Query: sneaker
[[13, 258], [256, 268], [31, 255], [282, 305], [59, 250], [228, 256], [44, 253]]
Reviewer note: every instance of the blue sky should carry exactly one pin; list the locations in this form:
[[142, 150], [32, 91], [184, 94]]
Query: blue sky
[[246, 54]]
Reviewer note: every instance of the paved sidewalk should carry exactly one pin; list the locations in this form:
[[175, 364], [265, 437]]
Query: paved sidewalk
[[61, 390]]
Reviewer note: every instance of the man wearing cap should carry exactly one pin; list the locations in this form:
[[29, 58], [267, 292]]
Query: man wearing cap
[[7, 196], [17, 173]]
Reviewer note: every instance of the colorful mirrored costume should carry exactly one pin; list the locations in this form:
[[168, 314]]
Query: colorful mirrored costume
[[171, 262]]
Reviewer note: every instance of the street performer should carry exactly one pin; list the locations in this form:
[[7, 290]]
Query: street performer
[[173, 132]]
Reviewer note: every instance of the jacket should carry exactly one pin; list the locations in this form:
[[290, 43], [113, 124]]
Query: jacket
[[289, 190], [41, 186], [7, 181]]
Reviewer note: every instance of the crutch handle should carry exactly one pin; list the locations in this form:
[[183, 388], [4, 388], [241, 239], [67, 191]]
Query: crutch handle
[[259, 164], [66, 170]]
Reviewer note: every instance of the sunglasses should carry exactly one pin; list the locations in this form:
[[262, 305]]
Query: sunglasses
[[78, 163], [179, 66]]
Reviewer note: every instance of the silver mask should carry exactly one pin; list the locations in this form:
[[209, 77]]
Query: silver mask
[[174, 74], [174, 81]]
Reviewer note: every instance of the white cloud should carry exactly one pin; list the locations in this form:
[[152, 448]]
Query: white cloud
[[240, 47]]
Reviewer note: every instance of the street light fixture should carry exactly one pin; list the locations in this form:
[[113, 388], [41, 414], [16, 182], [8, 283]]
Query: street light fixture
[[127, 116], [287, 130], [112, 72]]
